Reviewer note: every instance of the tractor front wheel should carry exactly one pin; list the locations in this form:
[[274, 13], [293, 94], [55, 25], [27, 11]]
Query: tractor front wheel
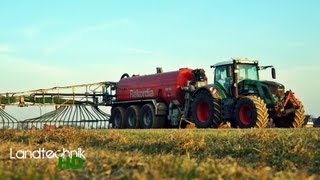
[[293, 120], [251, 111]]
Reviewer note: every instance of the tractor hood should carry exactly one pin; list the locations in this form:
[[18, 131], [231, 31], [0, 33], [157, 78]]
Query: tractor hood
[[276, 88]]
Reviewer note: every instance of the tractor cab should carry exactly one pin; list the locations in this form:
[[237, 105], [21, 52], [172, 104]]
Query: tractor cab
[[241, 76], [228, 73]]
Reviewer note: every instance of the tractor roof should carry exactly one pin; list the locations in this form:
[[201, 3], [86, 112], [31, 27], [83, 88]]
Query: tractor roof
[[239, 61]]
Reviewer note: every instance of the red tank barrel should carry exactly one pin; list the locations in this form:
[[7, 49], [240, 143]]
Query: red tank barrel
[[165, 86]]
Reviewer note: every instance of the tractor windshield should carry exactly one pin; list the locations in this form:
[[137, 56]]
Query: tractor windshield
[[248, 71], [225, 79]]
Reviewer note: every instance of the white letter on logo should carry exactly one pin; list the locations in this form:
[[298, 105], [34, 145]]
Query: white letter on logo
[[11, 157]]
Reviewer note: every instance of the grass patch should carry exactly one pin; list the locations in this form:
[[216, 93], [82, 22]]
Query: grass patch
[[169, 153]]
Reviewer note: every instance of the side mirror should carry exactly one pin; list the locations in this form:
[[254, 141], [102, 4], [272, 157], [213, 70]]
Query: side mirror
[[273, 73]]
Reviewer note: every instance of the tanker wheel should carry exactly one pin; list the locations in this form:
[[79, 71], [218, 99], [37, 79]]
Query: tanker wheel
[[148, 119], [293, 120], [132, 117], [251, 111], [205, 110], [117, 117]]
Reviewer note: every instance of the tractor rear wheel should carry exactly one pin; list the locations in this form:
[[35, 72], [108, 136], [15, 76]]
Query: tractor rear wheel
[[251, 111], [293, 120], [132, 117], [117, 117], [206, 110], [148, 119]]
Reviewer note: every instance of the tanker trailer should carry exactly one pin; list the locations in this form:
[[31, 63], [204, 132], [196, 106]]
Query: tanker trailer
[[165, 99]]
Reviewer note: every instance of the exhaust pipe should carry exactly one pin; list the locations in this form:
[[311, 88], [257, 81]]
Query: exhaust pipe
[[235, 79]]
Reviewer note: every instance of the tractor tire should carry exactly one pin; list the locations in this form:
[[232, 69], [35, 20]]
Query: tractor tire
[[251, 112], [148, 119], [293, 120], [316, 123], [132, 117], [117, 117], [206, 110]]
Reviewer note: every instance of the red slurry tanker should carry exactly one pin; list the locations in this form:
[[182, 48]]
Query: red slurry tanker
[[170, 99], [164, 86], [149, 101]]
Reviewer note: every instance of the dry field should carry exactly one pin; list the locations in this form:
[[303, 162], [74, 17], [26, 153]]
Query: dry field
[[168, 154]]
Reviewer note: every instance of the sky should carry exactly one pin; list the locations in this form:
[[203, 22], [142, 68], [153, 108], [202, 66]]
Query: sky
[[55, 43]]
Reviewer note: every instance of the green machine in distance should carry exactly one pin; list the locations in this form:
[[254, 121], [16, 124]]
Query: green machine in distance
[[246, 101]]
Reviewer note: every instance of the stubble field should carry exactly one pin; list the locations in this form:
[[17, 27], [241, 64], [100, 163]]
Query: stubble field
[[168, 153]]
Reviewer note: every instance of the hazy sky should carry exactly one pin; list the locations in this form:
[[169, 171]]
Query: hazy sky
[[55, 43]]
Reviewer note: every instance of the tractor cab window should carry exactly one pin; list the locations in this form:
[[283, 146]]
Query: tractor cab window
[[247, 71], [221, 77]]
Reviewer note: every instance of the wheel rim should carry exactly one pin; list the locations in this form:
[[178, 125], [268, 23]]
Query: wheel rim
[[245, 114], [147, 118], [117, 120], [203, 111], [131, 119]]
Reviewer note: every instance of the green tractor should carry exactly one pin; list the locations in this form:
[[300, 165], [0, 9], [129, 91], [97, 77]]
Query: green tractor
[[246, 102]]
